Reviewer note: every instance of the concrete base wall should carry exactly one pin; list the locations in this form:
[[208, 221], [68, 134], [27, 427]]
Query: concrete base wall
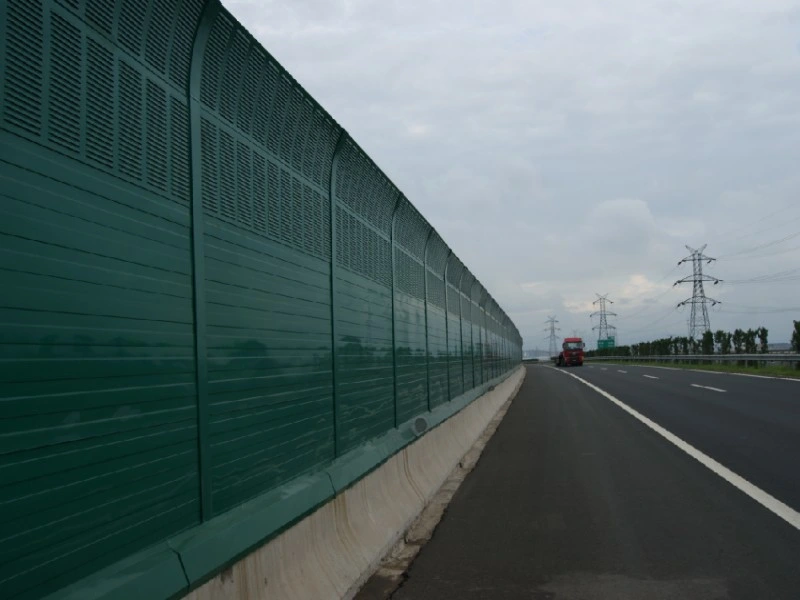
[[330, 553]]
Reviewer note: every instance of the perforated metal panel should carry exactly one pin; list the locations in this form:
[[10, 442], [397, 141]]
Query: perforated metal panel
[[267, 271], [365, 387], [437, 253], [454, 275], [410, 236]]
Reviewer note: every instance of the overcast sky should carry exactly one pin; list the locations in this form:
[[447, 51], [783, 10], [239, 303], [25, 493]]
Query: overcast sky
[[572, 147]]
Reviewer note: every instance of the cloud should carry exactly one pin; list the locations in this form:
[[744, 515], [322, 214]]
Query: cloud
[[568, 148]]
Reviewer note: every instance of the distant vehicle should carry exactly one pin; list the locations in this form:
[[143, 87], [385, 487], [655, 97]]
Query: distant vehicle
[[571, 352]]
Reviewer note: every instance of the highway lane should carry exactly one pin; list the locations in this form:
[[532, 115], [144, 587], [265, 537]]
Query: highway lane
[[574, 498], [751, 425]]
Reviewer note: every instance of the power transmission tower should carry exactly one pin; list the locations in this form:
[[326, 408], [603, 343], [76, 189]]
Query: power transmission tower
[[603, 327], [551, 322], [699, 322]]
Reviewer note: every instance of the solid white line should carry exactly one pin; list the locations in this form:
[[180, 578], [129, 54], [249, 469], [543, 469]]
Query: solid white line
[[707, 387], [650, 376], [621, 371], [785, 512], [764, 376]]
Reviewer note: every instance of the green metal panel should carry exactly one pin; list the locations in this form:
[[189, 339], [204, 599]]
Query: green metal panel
[[476, 317], [436, 259], [486, 356], [482, 356], [455, 271], [491, 339], [207, 294], [467, 342], [364, 381], [410, 235], [494, 312], [264, 190], [98, 445]]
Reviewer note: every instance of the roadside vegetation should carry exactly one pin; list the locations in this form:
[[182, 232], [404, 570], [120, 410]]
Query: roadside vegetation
[[681, 350]]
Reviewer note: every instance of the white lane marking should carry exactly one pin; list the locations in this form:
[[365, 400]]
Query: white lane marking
[[795, 379], [650, 376], [785, 512], [603, 369], [764, 377], [621, 371], [707, 387]]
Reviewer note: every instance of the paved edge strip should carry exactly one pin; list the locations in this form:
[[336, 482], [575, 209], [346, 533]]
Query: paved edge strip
[[785, 512]]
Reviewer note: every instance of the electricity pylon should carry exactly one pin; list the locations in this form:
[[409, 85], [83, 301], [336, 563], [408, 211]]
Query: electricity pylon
[[551, 321], [699, 322], [603, 327]]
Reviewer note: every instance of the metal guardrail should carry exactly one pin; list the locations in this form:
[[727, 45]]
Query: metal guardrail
[[768, 358]]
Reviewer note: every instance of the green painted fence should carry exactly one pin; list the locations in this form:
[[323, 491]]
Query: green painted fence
[[207, 291]]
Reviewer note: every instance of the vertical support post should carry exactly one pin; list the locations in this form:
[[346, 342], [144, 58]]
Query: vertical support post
[[201, 35], [425, 304], [484, 340], [447, 326], [394, 307], [472, 331], [334, 241], [461, 330]]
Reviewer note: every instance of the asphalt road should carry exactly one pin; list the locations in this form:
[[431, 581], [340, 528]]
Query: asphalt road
[[576, 499]]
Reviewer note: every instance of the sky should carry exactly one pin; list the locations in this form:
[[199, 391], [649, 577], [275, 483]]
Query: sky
[[573, 148]]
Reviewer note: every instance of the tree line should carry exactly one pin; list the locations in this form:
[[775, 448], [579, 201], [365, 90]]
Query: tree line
[[740, 341]]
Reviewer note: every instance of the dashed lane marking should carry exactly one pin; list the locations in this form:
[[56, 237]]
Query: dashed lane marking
[[708, 387]]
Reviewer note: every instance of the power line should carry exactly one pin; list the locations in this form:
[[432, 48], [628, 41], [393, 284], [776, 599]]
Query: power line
[[767, 255], [788, 275], [759, 311], [725, 236], [649, 307], [761, 246], [752, 307], [603, 328], [699, 322], [672, 310]]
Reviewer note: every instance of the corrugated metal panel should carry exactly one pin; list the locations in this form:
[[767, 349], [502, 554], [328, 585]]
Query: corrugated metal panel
[[365, 390], [455, 273], [98, 444], [477, 332], [410, 236], [436, 259], [267, 272], [467, 342]]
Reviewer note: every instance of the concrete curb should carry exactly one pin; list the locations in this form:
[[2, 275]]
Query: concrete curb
[[332, 552]]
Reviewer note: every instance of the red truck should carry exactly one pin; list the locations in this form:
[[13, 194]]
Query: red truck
[[571, 352]]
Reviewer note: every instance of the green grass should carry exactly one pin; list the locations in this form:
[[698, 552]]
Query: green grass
[[770, 370]]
